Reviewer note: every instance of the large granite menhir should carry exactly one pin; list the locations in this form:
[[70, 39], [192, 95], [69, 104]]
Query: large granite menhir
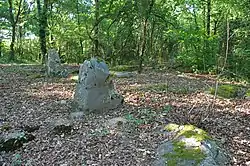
[[93, 90]]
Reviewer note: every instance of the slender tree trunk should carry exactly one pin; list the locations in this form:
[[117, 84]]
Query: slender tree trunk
[[143, 44], [13, 31], [215, 26], [78, 23], [143, 38], [96, 30], [13, 22], [42, 14], [13, 38], [151, 52], [208, 16], [51, 18], [1, 41]]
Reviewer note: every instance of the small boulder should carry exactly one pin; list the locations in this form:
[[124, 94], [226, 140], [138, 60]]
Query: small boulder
[[115, 122], [10, 141], [231, 91], [30, 128], [190, 146], [77, 115], [62, 126], [124, 74]]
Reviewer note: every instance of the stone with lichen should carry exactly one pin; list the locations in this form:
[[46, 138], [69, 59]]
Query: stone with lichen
[[54, 67], [190, 146], [231, 91], [94, 90]]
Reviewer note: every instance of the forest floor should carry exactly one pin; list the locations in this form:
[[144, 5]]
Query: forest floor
[[152, 99]]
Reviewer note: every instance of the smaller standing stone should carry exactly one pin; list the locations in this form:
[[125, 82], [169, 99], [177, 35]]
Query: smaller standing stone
[[54, 67]]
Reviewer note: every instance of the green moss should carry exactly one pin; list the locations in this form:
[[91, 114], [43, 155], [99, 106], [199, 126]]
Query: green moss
[[165, 87], [34, 76], [5, 127], [182, 153], [248, 93], [159, 87], [226, 91], [190, 131], [74, 77], [171, 127]]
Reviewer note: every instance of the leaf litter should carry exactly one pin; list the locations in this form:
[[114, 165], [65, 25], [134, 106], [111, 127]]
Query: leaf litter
[[151, 101]]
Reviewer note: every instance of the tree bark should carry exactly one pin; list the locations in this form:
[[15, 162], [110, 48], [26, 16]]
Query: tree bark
[[78, 23], [1, 42], [208, 16], [42, 15], [144, 36], [96, 29], [13, 22]]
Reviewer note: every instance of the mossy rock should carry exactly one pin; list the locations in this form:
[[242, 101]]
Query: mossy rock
[[189, 146], [35, 76], [194, 155], [5, 127], [231, 91], [188, 131], [248, 93]]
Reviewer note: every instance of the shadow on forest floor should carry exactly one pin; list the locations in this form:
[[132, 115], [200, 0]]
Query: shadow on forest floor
[[152, 99]]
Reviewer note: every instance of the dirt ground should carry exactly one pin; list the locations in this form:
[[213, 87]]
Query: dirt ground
[[152, 99]]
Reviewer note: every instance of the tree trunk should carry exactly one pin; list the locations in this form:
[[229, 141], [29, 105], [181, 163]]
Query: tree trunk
[[42, 14], [13, 22], [208, 16], [78, 23], [20, 41], [143, 44], [96, 30], [144, 36], [151, 52], [13, 38], [1, 42]]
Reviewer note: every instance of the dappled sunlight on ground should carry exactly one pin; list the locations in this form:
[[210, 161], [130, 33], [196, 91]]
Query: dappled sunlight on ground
[[152, 98], [58, 90]]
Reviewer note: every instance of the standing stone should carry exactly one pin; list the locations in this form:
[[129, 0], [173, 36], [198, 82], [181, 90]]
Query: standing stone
[[93, 90], [54, 67]]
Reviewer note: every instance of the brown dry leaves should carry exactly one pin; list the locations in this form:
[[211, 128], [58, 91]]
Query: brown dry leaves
[[151, 100]]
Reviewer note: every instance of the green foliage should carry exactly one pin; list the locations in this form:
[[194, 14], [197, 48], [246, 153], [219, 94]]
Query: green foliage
[[159, 87], [130, 118], [100, 132], [143, 117], [17, 161], [175, 35], [5, 127], [167, 108], [230, 91], [35, 76]]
